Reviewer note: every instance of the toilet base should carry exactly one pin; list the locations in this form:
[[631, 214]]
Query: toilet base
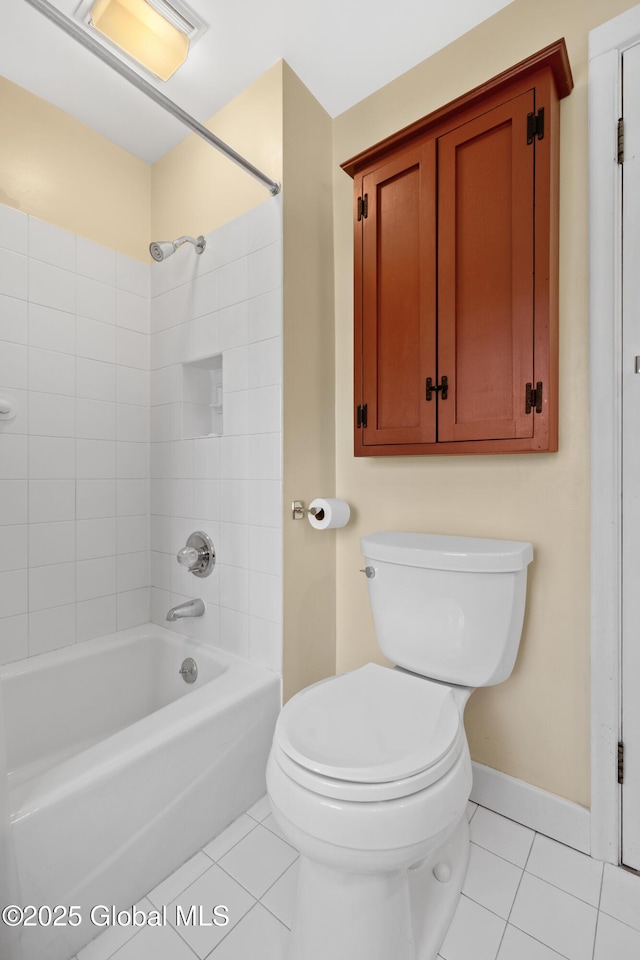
[[397, 915]]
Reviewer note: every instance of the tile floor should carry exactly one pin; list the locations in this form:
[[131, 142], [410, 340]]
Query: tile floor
[[525, 898]]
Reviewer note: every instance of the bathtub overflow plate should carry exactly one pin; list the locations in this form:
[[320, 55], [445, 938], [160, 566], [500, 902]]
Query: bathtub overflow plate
[[189, 670]]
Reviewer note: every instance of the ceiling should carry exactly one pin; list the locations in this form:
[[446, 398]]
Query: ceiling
[[342, 50]]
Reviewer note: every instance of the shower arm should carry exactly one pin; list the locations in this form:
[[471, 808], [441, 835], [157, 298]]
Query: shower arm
[[83, 37]]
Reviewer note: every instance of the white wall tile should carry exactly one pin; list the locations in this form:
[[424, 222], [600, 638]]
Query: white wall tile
[[234, 587], [265, 550], [236, 413], [14, 275], [234, 458], [96, 459], [95, 499], [166, 385], [233, 282], [265, 596], [265, 409], [170, 346], [265, 362], [19, 425], [164, 422], [95, 261], [52, 629], [206, 457], [95, 618], [95, 340], [265, 503], [132, 461], [132, 311], [205, 335], [95, 301], [133, 534], [51, 543], [14, 462], [133, 571], [265, 643], [265, 456], [13, 320], [51, 329], [236, 369], [265, 316], [14, 638], [13, 365], [233, 548], [95, 380], [265, 269], [172, 308], [13, 503], [51, 500], [132, 423], [234, 326], [52, 458], [133, 608], [207, 499], [95, 538], [52, 586], [13, 592], [51, 287], [96, 578], [15, 546], [95, 420], [51, 372], [132, 275], [52, 244], [132, 497], [234, 632], [51, 415], [132, 349], [133, 386], [206, 294], [14, 229]]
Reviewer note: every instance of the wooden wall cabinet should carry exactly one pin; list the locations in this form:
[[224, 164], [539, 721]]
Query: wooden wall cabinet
[[456, 272]]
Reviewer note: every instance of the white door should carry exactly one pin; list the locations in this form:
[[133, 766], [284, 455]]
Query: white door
[[631, 459]]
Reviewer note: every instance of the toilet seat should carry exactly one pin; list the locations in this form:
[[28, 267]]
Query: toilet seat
[[368, 735]]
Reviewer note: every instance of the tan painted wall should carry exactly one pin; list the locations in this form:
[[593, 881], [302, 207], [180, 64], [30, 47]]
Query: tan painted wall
[[56, 168], [309, 435], [536, 725], [194, 188]]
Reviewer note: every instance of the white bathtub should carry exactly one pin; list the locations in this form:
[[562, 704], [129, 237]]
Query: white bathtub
[[119, 770]]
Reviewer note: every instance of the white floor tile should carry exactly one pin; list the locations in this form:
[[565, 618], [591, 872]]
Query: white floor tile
[[517, 945], [213, 888], [104, 946], [260, 810], [270, 824], [474, 934], [259, 935], [491, 881], [471, 809], [155, 943], [258, 860], [508, 839], [229, 837], [615, 940], [621, 895], [179, 880], [280, 898], [557, 919], [574, 872]]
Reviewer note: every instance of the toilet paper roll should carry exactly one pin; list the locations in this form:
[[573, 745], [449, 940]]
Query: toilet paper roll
[[330, 514]]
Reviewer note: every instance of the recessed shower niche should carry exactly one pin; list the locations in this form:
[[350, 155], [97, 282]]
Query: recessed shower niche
[[201, 407]]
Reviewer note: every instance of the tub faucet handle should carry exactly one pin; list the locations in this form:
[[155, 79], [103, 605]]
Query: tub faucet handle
[[198, 555], [188, 556]]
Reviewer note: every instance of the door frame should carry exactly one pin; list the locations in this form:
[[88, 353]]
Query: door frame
[[607, 43]]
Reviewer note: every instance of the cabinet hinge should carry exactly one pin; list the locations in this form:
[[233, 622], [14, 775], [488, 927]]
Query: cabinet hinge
[[533, 397], [363, 207], [535, 125], [621, 140], [443, 387], [621, 762], [361, 415]]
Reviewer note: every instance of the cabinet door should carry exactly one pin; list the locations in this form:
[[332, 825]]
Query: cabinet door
[[398, 305], [485, 274]]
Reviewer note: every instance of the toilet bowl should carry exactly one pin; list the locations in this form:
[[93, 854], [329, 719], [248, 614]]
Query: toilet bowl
[[369, 773]]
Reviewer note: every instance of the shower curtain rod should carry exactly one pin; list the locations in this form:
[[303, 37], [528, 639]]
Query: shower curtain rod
[[77, 33]]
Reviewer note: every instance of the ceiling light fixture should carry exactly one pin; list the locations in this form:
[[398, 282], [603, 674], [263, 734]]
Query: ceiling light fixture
[[154, 33]]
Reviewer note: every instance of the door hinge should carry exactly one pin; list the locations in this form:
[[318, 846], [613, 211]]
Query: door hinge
[[621, 140], [443, 386], [621, 762], [363, 207], [535, 125], [361, 415], [533, 397]]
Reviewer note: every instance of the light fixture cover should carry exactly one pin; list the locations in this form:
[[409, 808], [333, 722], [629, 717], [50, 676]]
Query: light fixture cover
[[138, 28]]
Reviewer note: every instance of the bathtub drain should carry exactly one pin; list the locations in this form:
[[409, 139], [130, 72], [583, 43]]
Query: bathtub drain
[[189, 670]]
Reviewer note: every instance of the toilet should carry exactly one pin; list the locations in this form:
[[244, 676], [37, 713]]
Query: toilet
[[369, 773]]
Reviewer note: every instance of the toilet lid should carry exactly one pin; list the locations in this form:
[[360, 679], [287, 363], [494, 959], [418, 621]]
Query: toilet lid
[[372, 725]]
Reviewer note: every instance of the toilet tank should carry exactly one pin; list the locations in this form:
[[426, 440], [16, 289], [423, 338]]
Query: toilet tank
[[449, 608]]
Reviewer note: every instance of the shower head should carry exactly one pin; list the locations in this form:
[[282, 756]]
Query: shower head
[[161, 249]]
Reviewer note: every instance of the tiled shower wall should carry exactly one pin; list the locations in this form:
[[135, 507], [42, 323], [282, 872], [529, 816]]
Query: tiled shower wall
[[226, 301], [74, 487]]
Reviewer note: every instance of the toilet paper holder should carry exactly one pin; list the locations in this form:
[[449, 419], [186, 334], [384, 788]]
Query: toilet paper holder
[[299, 511]]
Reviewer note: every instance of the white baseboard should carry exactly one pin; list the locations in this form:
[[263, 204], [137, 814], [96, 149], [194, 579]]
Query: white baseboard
[[544, 812]]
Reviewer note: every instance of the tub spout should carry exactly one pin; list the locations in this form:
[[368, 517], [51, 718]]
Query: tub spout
[[191, 608]]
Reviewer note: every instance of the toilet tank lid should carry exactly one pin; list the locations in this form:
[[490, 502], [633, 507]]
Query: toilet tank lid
[[440, 552]]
